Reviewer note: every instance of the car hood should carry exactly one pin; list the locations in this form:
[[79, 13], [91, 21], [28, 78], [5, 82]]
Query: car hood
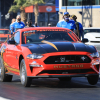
[[92, 36], [59, 46]]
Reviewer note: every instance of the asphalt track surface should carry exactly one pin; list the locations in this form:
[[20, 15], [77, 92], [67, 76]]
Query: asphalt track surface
[[50, 89]]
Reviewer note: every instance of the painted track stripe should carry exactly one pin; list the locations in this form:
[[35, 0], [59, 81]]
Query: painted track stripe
[[1, 98]]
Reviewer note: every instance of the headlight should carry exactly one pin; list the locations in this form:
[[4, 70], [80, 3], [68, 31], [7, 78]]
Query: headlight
[[96, 54], [34, 56]]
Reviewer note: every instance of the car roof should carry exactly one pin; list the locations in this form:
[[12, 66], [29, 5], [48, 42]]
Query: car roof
[[41, 28]]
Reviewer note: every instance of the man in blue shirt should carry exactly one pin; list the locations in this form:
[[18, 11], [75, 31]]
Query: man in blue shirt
[[79, 27], [17, 25], [67, 23]]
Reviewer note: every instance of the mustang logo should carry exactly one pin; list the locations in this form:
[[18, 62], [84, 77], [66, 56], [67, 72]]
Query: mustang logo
[[62, 59], [83, 58]]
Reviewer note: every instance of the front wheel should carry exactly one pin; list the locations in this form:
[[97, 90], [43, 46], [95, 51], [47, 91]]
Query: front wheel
[[4, 77], [93, 79], [26, 81]]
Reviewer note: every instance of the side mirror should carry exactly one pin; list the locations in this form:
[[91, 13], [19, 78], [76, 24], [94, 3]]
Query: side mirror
[[84, 40], [11, 41]]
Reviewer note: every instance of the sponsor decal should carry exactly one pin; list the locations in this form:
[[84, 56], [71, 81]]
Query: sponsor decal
[[2, 50], [8, 68], [68, 66], [21, 24], [53, 30], [49, 9], [28, 33], [71, 24]]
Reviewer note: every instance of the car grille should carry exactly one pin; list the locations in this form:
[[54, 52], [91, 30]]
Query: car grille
[[67, 71], [67, 59]]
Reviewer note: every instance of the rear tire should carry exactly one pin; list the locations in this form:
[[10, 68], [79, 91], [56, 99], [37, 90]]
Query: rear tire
[[4, 77], [26, 81], [93, 79], [65, 78]]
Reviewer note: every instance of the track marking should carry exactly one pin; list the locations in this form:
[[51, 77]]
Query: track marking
[[1, 98]]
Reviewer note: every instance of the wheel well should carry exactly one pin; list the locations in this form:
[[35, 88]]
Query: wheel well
[[20, 58]]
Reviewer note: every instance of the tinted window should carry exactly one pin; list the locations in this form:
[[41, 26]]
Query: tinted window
[[91, 30], [80, 2], [17, 37], [4, 32], [47, 36]]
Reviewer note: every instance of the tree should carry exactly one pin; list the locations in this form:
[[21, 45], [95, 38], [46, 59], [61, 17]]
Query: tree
[[21, 4]]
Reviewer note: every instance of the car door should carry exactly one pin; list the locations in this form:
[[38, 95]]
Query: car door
[[12, 51]]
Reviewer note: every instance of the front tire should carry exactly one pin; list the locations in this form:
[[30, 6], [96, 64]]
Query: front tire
[[93, 79], [4, 77], [26, 81]]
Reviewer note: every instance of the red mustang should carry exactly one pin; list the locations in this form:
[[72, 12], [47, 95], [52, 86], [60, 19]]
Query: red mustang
[[48, 52]]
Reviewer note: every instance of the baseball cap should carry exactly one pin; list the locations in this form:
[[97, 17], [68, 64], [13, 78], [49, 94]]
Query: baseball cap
[[73, 16], [66, 13], [49, 24]]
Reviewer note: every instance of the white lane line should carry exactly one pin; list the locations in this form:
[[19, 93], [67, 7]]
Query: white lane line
[[1, 98], [0, 71]]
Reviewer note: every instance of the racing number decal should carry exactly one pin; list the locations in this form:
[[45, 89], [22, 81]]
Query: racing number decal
[[2, 50]]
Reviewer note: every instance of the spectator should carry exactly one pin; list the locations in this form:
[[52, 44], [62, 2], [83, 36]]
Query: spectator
[[79, 27], [90, 25], [13, 20], [29, 24], [18, 24], [49, 25], [67, 23], [35, 24]]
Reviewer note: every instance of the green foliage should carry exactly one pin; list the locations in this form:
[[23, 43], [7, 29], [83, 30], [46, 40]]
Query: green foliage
[[21, 4]]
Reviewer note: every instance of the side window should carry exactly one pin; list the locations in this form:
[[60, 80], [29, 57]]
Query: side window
[[17, 37]]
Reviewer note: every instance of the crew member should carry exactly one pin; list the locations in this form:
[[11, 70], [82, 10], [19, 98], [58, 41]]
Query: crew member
[[67, 23], [18, 24], [79, 27]]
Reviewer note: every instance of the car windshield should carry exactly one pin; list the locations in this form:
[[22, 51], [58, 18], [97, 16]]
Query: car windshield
[[38, 36], [4, 32], [91, 30]]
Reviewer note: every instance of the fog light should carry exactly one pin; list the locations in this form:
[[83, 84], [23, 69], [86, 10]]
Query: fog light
[[35, 64], [95, 63]]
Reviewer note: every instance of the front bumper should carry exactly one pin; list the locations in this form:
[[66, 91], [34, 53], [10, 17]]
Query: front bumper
[[62, 70]]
